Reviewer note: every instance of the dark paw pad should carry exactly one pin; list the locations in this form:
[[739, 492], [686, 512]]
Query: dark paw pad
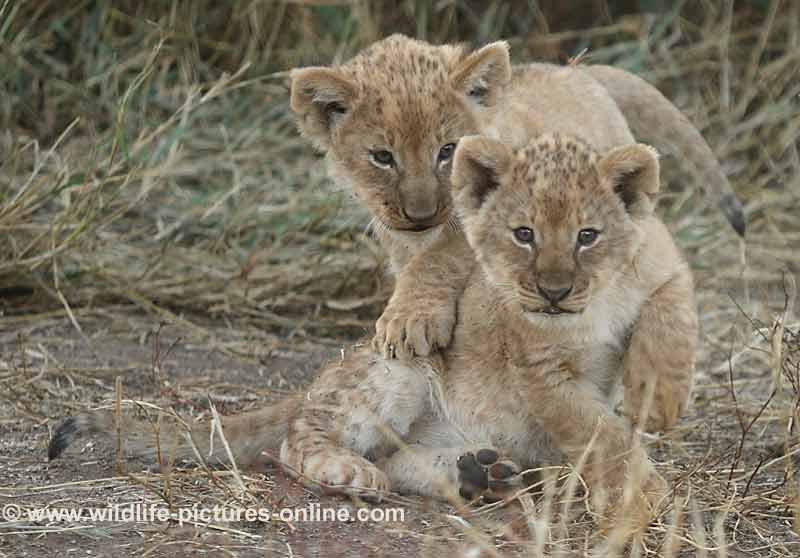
[[484, 475]]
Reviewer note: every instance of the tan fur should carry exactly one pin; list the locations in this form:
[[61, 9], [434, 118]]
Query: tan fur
[[520, 385], [526, 383], [411, 98], [166, 438], [653, 118]]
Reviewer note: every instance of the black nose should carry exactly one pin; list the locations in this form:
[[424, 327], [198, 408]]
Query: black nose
[[554, 295], [420, 215]]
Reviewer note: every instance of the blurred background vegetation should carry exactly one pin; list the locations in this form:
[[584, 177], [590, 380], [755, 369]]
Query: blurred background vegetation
[[63, 59], [148, 156]]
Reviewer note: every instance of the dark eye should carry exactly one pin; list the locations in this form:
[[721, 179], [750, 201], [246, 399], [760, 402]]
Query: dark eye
[[524, 235], [587, 237], [335, 108], [446, 152], [382, 157]]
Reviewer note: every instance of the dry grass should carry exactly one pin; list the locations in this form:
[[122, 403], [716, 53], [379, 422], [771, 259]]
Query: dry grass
[[150, 173]]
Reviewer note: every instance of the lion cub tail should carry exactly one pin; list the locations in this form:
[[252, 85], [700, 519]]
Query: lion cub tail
[[652, 117], [171, 440]]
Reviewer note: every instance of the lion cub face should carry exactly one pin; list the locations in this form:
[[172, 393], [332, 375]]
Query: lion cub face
[[554, 222], [390, 119]]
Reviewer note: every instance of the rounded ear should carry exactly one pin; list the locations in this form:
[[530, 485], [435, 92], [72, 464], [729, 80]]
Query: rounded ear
[[481, 75], [320, 97], [632, 172], [478, 164]]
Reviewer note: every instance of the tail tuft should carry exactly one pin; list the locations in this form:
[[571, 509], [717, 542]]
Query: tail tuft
[[65, 434], [732, 208]]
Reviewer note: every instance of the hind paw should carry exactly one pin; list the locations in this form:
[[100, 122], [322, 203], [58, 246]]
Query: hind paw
[[343, 473], [484, 475]]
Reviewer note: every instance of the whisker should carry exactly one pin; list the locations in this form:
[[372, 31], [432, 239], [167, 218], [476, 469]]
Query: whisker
[[370, 227], [454, 223], [377, 227]]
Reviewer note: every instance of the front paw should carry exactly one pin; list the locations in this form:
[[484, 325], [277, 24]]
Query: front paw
[[408, 332], [663, 412], [634, 501], [484, 475]]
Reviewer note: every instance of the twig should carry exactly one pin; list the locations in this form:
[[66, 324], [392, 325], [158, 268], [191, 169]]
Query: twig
[[118, 424]]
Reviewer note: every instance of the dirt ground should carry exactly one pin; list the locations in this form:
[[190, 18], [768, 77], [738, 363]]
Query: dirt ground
[[88, 477], [731, 477]]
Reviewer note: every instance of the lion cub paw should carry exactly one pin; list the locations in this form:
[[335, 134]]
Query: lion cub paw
[[670, 399], [414, 329], [635, 511], [343, 473], [484, 475]]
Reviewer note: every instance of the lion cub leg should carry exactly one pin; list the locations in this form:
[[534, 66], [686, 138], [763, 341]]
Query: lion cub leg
[[362, 406], [313, 457], [659, 362], [421, 313], [450, 474], [622, 480]]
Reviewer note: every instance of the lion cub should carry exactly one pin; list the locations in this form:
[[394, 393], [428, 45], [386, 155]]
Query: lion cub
[[570, 259], [389, 120]]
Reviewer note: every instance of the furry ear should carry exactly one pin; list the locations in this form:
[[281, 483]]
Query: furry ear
[[632, 171], [482, 74], [320, 97], [478, 164]]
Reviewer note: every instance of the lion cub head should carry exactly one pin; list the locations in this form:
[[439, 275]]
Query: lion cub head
[[553, 223], [390, 118]]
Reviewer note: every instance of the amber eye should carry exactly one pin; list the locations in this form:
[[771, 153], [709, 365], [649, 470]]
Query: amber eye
[[523, 235], [382, 158], [446, 152], [587, 237]]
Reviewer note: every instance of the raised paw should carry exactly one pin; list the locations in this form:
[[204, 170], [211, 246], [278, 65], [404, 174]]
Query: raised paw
[[414, 330], [484, 475]]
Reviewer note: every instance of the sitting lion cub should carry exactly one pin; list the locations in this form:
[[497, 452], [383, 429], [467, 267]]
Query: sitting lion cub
[[570, 261], [570, 257]]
